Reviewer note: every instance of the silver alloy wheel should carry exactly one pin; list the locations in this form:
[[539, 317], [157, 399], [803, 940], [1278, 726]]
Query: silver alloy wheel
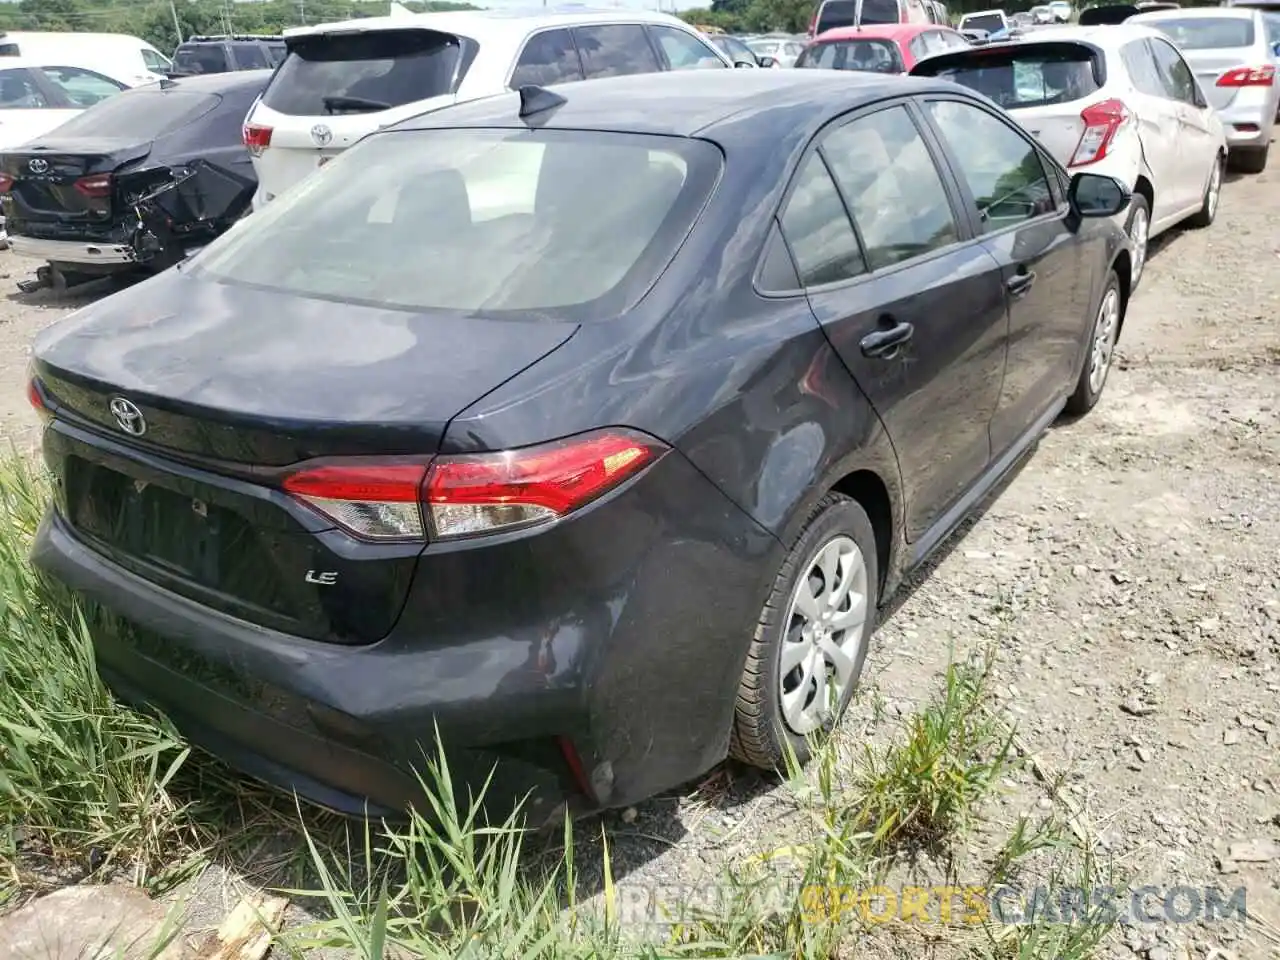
[[1215, 187], [1104, 339], [823, 634], [1139, 236]]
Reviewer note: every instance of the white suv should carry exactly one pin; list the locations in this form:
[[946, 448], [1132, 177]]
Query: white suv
[[341, 81], [1117, 100]]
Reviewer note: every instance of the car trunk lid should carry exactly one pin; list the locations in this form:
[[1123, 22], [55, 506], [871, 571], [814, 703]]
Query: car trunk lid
[[1210, 65], [173, 432], [68, 180]]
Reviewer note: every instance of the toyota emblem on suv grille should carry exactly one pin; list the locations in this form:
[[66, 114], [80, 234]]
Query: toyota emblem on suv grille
[[38, 165], [128, 416]]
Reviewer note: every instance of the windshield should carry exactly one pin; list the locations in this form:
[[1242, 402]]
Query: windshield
[[990, 22], [1022, 78], [364, 72], [874, 56], [839, 13], [141, 114], [1206, 33], [570, 224]]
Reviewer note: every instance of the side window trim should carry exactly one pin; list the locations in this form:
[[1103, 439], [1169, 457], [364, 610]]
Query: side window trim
[[971, 216], [515, 64]]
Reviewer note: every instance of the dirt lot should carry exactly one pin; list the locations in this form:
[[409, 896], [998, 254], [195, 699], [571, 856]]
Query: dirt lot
[[1130, 575]]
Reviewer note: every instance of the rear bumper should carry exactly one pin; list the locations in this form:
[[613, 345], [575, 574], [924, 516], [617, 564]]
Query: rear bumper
[[1253, 110], [639, 676], [69, 251]]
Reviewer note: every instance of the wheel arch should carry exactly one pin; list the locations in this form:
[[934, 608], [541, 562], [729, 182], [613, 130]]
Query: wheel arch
[[872, 494], [1122, 265]]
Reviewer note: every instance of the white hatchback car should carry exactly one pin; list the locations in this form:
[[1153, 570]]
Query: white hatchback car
[[341, 81], [1118, 100]]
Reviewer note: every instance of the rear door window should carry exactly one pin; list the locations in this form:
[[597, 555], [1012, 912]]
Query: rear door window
[[1138, 60], [364, 72], [83, 87], [1176, 77], [615, 50], [1032, 76], [201, 58], [683, 52], [895, 192], [141, 114], [548, 57], [250, 56], [19, 90]]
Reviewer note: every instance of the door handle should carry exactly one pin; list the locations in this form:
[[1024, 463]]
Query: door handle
[[1020, 283], [884, 343]]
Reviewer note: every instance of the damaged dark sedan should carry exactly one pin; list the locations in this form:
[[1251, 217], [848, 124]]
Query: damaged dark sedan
[[134, 184]]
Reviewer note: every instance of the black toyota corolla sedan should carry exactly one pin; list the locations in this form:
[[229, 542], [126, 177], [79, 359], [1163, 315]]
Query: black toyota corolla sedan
[[592, 426]]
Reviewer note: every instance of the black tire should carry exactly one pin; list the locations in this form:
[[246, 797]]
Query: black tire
[[1138, 205], [1085, 397], [1252, 160], [1209, 206], [761, 735]]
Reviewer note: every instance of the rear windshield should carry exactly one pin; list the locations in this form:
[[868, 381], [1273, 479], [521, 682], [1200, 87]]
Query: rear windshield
[[839, 13], [555, 223], [200, 58], [364, 72], [875, 56], [1022, 78], [1206, 33], [140, 114], [990, 22]]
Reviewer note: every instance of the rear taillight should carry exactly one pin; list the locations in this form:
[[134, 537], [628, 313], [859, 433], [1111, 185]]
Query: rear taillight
[[1263, 76], [256, 138], [97, 185], [474, 494], [1101, 123], [36, 399], [6, 183]]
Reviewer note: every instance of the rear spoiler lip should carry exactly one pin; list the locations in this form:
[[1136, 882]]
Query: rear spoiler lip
[[943, 60]]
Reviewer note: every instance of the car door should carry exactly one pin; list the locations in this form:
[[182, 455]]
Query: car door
[[1017, 204], [915, 311], [1159, 127], [1199, 142]]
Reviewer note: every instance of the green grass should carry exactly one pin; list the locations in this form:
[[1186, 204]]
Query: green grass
[[91, 788]]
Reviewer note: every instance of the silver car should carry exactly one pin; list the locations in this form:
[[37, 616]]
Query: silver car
[[1234, 63]]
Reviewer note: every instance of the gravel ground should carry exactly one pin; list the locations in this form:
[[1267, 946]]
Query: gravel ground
[[1129, 575]]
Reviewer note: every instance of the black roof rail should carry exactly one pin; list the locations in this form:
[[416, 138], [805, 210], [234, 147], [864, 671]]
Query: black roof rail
[[216, 38]]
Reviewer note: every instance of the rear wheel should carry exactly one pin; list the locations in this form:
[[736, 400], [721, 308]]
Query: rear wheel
[[1212, 192], [1102, 345], [1139, 230], [811, 639], [1252, 160]]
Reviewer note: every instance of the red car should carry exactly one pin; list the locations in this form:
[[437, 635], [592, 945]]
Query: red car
[[879, 48]]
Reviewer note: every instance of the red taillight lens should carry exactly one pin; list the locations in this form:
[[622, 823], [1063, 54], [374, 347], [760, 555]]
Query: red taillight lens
[[256, 138], [1101, 123], [375, 502], [481, 493], [461, 496], [6, 183], [34, 397], [97, 185], [1263, 76]]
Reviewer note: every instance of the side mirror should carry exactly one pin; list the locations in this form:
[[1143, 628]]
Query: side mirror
[[1097, 195], [767, 62], [743, 63], [1275, 49]]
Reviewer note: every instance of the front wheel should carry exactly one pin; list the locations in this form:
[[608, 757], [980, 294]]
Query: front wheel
[[1102, 345], [811, 640]]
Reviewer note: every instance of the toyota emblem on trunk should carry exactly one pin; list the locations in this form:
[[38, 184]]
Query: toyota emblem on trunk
[[321, 135], [38, 165], [128, 416]]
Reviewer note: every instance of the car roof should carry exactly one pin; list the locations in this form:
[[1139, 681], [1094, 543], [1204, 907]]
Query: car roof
[[488, 22], [217, 82], [1108, 37], [688, 102], [982, 13], [879, 31], [1195, 13]]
